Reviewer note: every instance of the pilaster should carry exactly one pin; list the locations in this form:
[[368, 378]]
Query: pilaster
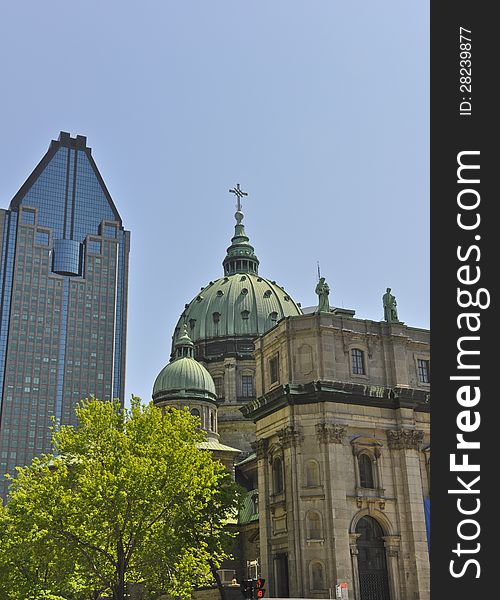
[[404, 445]]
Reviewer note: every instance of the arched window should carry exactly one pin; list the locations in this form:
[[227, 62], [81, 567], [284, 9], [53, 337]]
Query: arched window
[[372, 566], [365, 471], [314, 526], [357, 361], [195, 412], [312, 474], [277, 475], [317, 576]]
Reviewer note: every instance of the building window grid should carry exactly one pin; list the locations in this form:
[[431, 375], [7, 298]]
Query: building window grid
[[52, 184]]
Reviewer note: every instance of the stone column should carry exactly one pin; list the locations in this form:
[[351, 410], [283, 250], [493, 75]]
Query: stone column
[[404, 445], [391, 543], [353, 539], [289, 438], [332, 436], [260, 448]]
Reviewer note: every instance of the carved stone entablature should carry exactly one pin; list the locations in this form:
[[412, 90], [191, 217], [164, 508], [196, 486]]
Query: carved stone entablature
[[260, 447], [404, 439], [289, 436], [370, 503], [330, 432]]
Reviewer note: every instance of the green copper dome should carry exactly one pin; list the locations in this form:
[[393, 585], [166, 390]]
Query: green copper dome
[[240, 304], [184, 377]]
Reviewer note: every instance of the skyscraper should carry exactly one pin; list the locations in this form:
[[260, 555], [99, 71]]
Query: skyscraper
[[63, 299]]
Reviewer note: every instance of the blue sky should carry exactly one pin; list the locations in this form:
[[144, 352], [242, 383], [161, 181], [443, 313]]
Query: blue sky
[[319, 109]]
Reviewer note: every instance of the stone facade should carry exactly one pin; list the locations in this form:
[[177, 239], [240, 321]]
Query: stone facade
[[341, 457], [228, 372]]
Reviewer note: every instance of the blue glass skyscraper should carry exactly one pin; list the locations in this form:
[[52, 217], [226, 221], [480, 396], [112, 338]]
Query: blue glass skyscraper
[[63, 299]]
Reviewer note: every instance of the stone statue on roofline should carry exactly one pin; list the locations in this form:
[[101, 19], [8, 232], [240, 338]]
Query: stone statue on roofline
[[390, 307], [323, 289]]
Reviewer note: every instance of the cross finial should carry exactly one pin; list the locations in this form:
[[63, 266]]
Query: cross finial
[[239, 195]]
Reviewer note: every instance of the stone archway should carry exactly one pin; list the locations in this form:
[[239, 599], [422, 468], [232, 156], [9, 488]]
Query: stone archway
[[372, 564]]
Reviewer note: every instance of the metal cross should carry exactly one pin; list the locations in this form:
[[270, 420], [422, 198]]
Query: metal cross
[[239, 195]]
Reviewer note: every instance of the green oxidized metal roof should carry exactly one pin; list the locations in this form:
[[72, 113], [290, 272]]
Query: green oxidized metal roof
[[184, 376], [247, 510], [214, 444], [240, 304]]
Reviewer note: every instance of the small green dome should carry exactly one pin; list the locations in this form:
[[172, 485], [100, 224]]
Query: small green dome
[[184, 377]]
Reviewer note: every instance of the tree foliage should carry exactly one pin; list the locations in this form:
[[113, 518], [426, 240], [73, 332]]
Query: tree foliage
[[126, 497]]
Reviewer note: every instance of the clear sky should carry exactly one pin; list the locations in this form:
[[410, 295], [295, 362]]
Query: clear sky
[[318, 108]]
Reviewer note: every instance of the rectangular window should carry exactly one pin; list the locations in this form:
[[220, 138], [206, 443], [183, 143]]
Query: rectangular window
[[247, 386], [358, 366], [424, 372], [274, 370], [219, 387], [94, 246]]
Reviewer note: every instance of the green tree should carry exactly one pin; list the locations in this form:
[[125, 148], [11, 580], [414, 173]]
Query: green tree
[[126, 497]]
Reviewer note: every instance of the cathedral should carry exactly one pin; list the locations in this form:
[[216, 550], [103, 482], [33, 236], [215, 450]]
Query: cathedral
[[324, 419]]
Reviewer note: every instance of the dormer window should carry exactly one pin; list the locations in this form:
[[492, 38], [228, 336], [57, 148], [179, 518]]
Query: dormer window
[[255, 503], [216, 317], [245, 314]]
